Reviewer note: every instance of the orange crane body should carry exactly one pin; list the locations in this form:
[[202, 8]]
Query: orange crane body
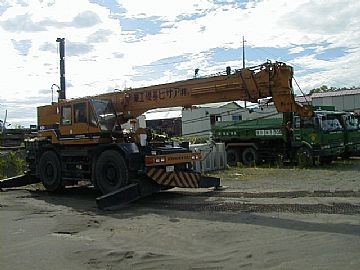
[[82, 139]]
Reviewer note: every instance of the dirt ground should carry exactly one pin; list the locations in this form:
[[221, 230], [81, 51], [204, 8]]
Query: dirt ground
[[267, 218]]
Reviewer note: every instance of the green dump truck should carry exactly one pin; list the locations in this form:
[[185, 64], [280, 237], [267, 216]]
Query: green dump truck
[[351, 123], [288, 137]]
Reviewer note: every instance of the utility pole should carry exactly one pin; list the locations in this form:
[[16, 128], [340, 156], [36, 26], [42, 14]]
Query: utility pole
[[4, 124], [243, 57], [3, 130], [243, 51]]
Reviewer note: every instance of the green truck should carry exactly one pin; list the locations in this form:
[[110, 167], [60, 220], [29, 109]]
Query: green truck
[[351, 124], [288, 137]]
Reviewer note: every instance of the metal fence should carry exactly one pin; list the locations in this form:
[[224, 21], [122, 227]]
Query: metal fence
[[213, 157]]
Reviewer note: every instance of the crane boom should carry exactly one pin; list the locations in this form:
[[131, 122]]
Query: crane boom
[[60, 121], [248, 84]]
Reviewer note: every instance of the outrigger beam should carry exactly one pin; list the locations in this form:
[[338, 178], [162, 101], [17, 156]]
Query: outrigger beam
[[19, 181]]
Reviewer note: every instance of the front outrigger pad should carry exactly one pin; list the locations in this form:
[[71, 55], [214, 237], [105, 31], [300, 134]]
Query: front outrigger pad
[[119, 198], [208, 181], [139, 188], [19, 181]]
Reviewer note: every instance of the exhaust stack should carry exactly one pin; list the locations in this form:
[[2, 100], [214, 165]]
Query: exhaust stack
[[62, 93]]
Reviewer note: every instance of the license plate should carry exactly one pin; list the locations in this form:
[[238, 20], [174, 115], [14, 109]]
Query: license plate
[[169, 168]]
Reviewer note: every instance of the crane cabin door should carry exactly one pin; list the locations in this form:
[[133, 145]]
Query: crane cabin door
[[78, 124]]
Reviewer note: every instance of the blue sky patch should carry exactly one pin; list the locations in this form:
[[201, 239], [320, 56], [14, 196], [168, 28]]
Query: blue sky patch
[[265, 53], [22, 46], [331, 54], [143, 26], [224, 55], [189, 17], [113, 5], [3, 7], [156, 69], [231, 4], [252, 54]]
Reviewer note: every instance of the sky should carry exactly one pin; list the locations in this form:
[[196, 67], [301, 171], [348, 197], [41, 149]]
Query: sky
[[116, 44]]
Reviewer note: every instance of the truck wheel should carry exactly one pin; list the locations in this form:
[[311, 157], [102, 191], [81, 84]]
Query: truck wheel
[[304, 157], [232, 156], [50, 171], [249, 156], [111, 172]]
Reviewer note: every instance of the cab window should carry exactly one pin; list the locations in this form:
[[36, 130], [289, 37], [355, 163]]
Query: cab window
[[92, 118], [66, 115], [80, 113]]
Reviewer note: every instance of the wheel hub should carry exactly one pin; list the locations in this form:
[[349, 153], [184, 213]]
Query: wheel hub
[[111, 175], [49, 170]]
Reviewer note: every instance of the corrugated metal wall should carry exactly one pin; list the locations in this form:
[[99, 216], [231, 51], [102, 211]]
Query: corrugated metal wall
[[214, 157], [341, 103]]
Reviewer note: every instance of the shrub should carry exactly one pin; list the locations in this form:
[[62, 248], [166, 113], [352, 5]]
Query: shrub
[[11, 164]]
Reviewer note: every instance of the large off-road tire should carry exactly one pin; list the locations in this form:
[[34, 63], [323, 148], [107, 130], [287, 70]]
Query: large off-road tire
[[249, 156], [111, 172], [304, 157], [50, 171], [232, 156]]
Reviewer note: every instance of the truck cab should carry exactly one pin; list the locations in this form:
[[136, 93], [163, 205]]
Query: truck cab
[[351, 124], [322, 134]]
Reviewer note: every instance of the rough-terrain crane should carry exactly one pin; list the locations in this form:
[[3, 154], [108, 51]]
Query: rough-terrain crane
[[81, 139]]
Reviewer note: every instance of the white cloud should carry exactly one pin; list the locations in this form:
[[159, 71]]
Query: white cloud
[[295, 50], [168, 10], [101, 56]]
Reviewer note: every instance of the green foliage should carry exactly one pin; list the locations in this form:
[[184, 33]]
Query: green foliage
[[325, 88], [11, 164]]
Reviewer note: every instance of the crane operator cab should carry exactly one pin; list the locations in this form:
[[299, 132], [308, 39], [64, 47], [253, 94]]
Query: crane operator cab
[[79, 121]]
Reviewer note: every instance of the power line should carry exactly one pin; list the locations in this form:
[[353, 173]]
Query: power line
[[301, 91]]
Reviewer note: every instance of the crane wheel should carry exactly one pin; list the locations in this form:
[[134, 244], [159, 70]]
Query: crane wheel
[[249, 156], [111, 172], [232, 156], [50, 171]]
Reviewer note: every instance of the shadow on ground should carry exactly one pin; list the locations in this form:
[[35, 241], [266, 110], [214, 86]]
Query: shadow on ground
[[82, 200]]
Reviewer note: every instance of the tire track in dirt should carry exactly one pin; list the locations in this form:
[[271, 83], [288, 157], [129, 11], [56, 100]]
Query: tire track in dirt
[[224, 201]]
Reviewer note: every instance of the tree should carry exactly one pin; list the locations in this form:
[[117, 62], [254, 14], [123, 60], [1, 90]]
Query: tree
[[323, 89]]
